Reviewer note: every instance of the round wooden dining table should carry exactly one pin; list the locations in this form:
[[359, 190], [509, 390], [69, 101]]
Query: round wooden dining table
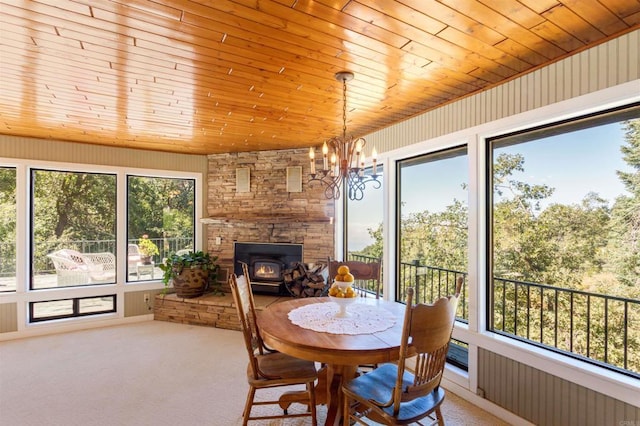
[[340, 354]]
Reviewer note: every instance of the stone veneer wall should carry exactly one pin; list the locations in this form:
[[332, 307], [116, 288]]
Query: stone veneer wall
[[267, 213], [211, 311]]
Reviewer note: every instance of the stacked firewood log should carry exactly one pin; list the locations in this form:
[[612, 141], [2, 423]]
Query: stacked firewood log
[[307, 282]]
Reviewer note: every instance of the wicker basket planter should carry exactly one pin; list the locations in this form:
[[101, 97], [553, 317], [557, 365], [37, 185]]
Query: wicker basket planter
[[191, 282], [190, 273]]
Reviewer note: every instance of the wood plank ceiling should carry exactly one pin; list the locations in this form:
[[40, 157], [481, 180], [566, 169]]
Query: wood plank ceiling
[[212, 76]]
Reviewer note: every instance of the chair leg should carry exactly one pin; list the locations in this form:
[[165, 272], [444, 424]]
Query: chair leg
[[312, 402], [346, 409], [247, 406], [439, 416]]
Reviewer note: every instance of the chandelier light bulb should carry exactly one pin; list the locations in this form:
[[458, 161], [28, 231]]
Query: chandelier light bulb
[[325, 151], [312, 158], [374, 156]]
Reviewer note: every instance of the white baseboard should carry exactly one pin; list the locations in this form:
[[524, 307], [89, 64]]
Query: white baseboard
[[71, 324]]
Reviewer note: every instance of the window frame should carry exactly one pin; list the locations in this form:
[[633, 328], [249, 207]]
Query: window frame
[[551, 128], [458, 353], [32, 171], [128, 176], [11, 166], [75, 305]]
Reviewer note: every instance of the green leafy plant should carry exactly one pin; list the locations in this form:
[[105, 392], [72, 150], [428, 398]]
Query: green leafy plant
[[147, 247], [176, 263]]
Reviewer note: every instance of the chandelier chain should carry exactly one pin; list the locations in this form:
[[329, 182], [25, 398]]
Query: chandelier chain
[[344, 109]]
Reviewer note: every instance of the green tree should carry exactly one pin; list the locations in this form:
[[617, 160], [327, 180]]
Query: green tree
[[8, 219], [437, 239], [79, 206], [520, 251], [375, 249], [625, 234], [160, 207]]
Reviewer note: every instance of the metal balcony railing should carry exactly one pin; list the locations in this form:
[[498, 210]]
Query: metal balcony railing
[[431, 283], [595, 328], [42, 265]]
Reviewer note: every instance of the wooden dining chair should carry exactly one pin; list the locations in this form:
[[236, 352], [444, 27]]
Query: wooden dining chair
[[366, 274], [393, 395], [266, 369]]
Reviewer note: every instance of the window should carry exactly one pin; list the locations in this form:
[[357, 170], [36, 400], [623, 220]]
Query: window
[[67, 308], [160, 221], [73, 228], [565, 238], [433, 231], [364, 223], [7, 229]]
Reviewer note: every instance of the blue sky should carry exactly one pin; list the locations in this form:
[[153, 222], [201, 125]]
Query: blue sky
[[573, 163]]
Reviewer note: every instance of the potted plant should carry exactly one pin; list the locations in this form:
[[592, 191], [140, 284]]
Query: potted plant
[[190, 273], [147, 249]]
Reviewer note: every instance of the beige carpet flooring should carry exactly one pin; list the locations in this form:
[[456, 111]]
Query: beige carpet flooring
[[150, 373]]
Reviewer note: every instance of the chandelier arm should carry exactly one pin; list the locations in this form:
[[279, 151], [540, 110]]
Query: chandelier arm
[[341, 170], [356, 188]]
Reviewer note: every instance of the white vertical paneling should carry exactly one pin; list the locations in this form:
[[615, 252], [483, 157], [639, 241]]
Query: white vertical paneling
[[555, 73], [545, 91], [135, 305], [586, 73], [521, 87], [572, 76], [632, 54], [601, 62], [613, 53], [600, 412], [591, 66], [544, 399], [564, 408], [8, 317], [581, 396]]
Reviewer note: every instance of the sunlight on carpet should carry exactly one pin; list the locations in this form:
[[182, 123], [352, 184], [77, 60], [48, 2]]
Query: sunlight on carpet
[[455, 410]]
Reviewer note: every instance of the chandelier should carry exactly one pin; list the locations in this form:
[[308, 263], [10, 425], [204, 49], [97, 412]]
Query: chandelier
[[343, 160]]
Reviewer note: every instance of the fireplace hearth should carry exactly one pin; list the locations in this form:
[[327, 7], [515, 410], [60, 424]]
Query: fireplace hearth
[[266, 263]]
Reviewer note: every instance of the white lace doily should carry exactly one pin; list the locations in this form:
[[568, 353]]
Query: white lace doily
[[363, 319]]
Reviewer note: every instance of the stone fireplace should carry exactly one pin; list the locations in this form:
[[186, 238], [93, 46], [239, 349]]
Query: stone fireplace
[[269, 212]]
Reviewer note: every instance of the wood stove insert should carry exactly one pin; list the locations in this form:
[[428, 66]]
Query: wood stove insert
[[266, 263]]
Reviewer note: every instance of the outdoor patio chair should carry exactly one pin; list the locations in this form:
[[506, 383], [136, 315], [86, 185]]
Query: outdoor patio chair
[[133, 257], [74, 268]]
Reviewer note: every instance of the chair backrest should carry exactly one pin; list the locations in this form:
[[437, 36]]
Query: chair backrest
[[243, 299], [363, 272], [426, 333], [71, 256], [133, 250]]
